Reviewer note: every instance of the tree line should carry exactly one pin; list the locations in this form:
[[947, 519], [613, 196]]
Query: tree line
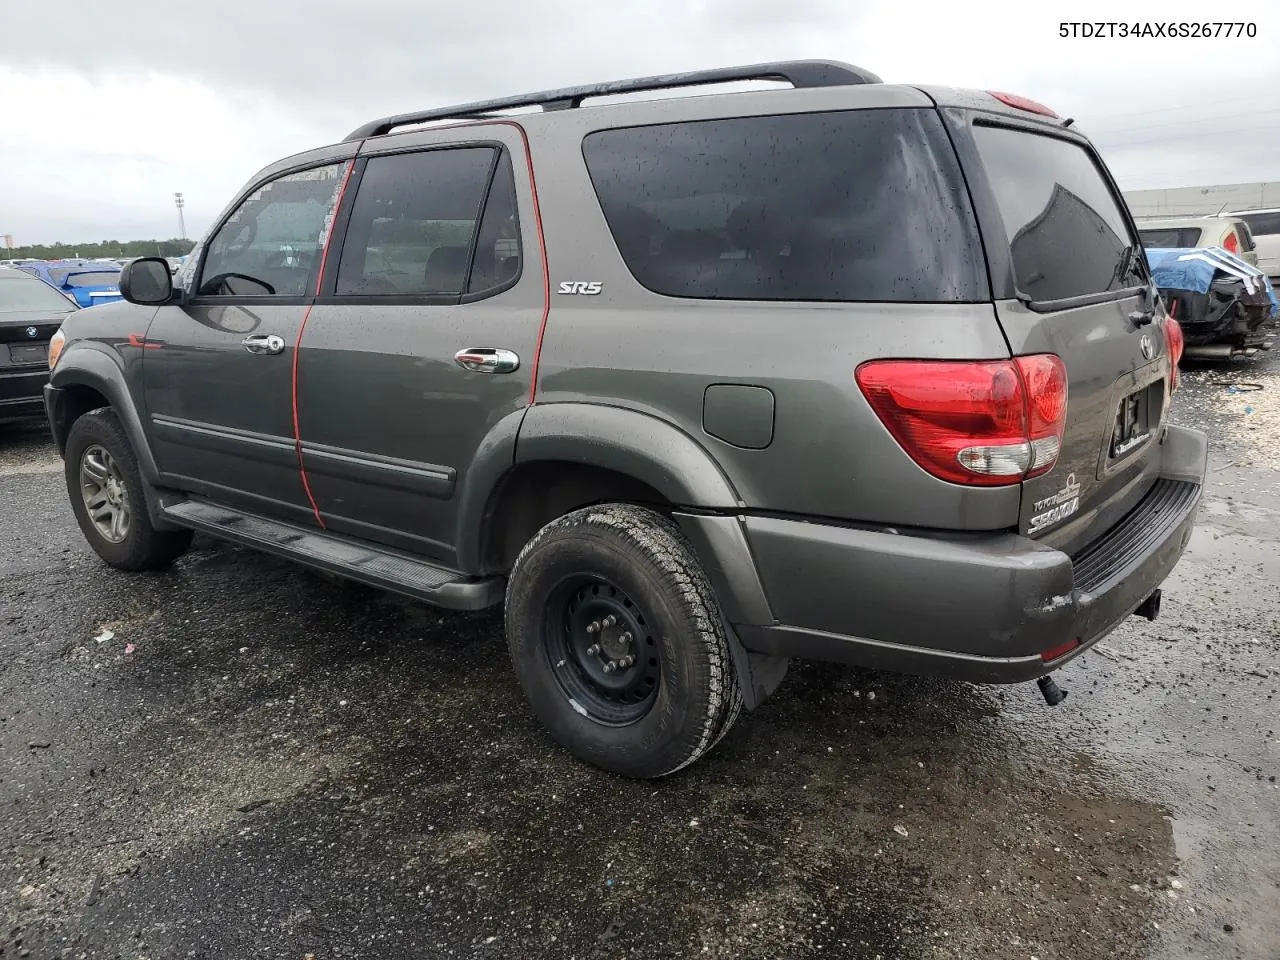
[[113, 249]]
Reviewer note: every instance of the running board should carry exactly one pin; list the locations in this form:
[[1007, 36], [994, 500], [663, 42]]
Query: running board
[[361, 562]]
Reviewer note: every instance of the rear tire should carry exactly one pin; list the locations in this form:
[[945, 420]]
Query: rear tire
[[107, 497], [622, 579]]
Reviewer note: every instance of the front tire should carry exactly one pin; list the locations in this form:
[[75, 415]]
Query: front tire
[[107, 497], [618, 642]]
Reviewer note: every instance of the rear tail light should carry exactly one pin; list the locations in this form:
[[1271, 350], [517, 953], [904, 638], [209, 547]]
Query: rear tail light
[[978, 423], [1174, 341], [1231, 244], [1022, 103]]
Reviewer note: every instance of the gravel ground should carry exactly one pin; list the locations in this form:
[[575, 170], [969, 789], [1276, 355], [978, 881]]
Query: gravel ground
[[237, 759]]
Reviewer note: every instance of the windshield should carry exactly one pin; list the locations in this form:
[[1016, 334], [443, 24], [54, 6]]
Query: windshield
[[18, 294]]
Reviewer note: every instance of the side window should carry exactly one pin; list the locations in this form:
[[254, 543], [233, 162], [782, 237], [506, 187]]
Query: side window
[[414, 221], [1263, 224], [271, 245], [1067, 233], [857, 206], [497, 260]]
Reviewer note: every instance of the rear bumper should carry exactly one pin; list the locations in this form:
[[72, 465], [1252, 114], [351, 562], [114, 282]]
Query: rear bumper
[[981, 608], [22, 392]]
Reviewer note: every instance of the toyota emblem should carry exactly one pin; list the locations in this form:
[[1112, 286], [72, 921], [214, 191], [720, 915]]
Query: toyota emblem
[[1148, 347]]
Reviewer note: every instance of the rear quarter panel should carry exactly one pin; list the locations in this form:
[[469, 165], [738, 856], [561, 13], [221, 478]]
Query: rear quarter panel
[[830, 456]]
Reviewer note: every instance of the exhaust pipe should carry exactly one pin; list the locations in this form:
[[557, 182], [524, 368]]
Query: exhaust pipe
[[1212, 351], [1150, 607], [1053, 694]]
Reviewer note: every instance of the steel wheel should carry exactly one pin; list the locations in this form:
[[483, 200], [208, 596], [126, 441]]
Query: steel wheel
[[106, 498], [602, 651]]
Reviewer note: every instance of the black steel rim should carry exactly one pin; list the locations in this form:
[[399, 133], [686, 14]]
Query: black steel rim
[[602, 650]]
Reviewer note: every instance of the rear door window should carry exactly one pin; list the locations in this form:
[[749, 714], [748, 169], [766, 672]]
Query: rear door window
[[1066, 231], [428, 224], [862, 205]]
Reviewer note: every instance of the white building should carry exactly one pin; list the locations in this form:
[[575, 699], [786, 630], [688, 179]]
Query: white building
[[1196, 201]]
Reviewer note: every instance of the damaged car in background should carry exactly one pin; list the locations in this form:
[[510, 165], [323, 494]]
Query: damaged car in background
[[1226, 307]]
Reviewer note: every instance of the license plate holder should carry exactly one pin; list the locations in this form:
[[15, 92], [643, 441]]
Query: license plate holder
[[1134, 423], [29, 352]]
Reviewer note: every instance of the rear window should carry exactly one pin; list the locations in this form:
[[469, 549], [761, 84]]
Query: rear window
[[1170, 237], [102, 279], [851, 206], [27, 293], [1263, 224], [1066, 231]]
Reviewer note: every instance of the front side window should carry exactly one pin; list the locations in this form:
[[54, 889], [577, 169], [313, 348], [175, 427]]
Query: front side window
[[1066, 231], [862, 205], [415, 220], [271, 245]]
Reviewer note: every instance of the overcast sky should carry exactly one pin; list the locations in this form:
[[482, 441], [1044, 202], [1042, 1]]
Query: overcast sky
[[107, 108]]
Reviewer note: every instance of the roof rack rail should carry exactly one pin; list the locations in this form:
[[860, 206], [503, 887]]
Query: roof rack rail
[[799, 73]]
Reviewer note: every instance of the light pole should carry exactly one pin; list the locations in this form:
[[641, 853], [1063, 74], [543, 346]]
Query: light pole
[[182, 225]]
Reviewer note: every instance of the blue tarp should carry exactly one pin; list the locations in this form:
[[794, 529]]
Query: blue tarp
[[1194, 268]]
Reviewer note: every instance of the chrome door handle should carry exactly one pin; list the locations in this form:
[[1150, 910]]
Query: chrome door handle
[[487, 360], [266, 345]]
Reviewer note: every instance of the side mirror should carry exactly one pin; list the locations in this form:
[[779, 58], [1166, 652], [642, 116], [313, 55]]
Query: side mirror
[[147, 281]]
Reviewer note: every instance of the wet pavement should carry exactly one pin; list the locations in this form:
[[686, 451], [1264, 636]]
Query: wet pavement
[[238, 759]]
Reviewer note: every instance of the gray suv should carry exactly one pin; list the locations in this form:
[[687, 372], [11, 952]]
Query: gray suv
[[848, 371]]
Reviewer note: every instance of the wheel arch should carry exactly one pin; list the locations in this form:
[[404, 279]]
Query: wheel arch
[[557, 458], [589, 453], [84, 373]]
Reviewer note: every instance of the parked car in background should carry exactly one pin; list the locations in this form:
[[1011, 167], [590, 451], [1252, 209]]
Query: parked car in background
[[1230, 233], [30, 311], [1225, 307], [88, 282], [1265, 227]]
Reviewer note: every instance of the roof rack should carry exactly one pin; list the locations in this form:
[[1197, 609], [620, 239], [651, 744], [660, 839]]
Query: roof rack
[[799, 73]]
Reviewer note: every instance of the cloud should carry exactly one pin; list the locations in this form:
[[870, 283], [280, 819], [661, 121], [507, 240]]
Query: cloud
[[108, 115]]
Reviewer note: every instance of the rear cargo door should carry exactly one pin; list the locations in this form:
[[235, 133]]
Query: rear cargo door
[[1069, 278]]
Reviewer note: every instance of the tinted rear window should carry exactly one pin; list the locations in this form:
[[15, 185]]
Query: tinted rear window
[[27, 293], [1263, 224], [1066, 231], [852, 206], [1170, 237], [98, 279]]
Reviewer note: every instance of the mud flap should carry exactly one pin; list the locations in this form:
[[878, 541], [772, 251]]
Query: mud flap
[[759, 674]]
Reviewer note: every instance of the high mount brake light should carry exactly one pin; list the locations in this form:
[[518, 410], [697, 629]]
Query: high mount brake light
[[979, 423], [1023, 103]]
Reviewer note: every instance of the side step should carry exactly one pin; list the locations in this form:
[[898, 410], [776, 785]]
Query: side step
[[361, 562]]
